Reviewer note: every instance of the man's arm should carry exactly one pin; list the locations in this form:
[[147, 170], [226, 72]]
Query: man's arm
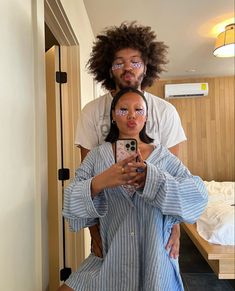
[[175, 150], [84, 152]]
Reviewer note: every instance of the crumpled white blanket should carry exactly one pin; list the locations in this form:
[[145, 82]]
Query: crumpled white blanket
[[216, 224]]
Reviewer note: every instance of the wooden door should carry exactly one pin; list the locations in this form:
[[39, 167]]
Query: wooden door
[[66, 249], [55, 222], [74, 242]]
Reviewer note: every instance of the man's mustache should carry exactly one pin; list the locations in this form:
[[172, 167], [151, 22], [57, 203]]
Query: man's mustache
[[127, 72]]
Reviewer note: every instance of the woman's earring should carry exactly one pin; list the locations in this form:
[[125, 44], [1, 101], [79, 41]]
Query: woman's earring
[[110, 74], [113, 122], [145, 69]]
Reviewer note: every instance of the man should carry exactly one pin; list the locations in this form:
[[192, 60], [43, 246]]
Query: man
[[129, 56]]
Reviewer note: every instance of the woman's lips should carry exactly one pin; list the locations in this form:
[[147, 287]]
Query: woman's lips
[[131, 124]]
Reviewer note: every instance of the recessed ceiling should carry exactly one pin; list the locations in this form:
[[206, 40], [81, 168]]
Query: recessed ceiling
[[188, 27]]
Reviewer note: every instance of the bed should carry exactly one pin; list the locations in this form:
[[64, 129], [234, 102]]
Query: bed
[[213, 234]]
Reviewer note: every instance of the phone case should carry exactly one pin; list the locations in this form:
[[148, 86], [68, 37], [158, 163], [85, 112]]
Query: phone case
[[125, 148]]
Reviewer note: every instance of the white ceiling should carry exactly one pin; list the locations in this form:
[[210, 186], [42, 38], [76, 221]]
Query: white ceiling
[[186, 26]]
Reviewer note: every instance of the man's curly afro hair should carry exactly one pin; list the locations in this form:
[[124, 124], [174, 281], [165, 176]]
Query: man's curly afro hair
[[133, 36]]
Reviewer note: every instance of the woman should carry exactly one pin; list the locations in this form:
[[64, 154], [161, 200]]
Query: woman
[[134, 226]]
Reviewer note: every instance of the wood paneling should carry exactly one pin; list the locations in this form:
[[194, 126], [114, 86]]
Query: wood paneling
[[209, 126]]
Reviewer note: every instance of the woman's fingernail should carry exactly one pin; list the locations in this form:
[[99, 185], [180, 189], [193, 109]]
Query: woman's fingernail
[[140, 170]]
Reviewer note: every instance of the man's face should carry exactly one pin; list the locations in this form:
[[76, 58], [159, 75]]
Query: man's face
[[128, 69]]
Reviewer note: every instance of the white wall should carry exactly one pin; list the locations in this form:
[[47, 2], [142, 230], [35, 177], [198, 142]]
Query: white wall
[[23, 156], [22, 147], [80, 23]]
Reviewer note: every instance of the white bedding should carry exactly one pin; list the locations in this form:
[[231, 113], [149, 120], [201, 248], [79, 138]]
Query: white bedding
[[216, 224]]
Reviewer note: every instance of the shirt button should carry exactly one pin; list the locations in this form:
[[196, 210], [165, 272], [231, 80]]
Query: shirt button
[[132, 233]]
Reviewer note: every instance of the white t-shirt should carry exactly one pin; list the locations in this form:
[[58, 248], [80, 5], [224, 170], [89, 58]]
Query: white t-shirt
[[163, 124]]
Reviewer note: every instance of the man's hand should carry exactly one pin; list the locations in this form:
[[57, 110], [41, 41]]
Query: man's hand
[[174, 240], [173, 243], [96, 243]]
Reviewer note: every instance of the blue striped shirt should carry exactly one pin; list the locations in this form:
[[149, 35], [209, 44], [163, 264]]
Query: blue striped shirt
[[134, 230]]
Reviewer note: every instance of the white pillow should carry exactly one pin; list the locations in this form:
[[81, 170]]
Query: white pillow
[[216, 224]]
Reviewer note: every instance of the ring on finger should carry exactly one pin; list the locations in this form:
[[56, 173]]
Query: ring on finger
[[140, 170], [123, 170]]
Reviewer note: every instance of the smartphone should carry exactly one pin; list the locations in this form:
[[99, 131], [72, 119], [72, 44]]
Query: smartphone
[[125, 148]]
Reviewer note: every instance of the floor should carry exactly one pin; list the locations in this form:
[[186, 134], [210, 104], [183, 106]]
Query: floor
[[196, 273]]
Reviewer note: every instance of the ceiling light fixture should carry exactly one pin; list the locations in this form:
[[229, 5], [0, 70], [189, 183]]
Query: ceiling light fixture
[[225, 42]]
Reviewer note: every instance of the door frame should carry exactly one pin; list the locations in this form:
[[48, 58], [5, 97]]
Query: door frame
[[57, 21]]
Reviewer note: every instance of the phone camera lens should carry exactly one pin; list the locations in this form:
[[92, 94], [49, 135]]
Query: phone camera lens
[[127, 145], [132, 143], [132, 148]]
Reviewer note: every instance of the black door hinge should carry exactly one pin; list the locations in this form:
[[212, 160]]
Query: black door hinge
[[65, 273], [63, 174], [61, 77]]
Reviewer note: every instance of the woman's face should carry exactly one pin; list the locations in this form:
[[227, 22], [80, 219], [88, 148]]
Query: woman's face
[[130, 115]]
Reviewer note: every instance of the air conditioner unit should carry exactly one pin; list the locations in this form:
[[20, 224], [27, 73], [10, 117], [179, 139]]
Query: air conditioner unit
[[186, 90]]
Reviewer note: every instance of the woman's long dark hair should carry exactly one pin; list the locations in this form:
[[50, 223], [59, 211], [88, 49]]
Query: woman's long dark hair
[[113, 134]]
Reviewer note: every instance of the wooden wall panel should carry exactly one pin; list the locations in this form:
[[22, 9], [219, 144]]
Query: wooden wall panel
[[209, 125]]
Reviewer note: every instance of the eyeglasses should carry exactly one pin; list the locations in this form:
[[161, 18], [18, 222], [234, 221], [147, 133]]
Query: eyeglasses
[[133, 65]]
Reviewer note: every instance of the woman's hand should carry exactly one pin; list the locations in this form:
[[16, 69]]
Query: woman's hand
[[137, 172], [117, 175]]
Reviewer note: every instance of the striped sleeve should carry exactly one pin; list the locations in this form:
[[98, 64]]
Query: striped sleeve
[[175, 191], [78, 203]]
